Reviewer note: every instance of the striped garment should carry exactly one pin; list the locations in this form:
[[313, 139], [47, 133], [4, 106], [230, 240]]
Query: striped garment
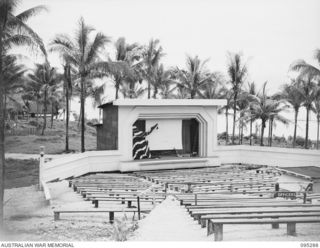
[[140, 143]]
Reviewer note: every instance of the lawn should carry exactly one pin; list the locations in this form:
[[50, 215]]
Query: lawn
[[53, 139], [21, 173]]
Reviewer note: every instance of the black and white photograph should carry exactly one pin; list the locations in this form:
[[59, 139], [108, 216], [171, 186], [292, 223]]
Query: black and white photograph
[[128, 121]]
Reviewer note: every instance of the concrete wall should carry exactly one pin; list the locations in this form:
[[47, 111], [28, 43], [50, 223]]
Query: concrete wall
[[79, 164], [273, 156], [98, 161]]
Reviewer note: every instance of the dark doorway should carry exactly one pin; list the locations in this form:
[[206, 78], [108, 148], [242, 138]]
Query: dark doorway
[[190, 137]]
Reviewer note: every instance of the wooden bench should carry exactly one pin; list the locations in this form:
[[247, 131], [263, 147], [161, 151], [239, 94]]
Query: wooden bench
[[203, 220], [111, 212], [216, 225], [96, 201], [206, 213]]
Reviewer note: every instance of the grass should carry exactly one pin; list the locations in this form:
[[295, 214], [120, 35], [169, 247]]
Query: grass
[[53, 141], [21, 173]]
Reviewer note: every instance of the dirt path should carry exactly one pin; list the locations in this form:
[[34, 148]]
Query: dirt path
[[170, 222]]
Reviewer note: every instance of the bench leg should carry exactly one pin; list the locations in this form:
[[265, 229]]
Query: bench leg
[[96, 203], [210, 228], [111, 217], [203, 223], [129, 204], [275, 225], [56, 216], [291, 229], [122, 201], [218, 232]]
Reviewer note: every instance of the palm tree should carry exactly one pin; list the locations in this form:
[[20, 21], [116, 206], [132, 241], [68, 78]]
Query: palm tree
[[228, 95], [125, 58], [55, 99], [305, 83], [162, 80], [67, 86], [237, 71], [83, 54], [252, 91], [13, 31], [130, 90], [194, 77], [316, 109], [13, 75], [278, 106], [46, 78], [292, 95], [243, 105], [265, 108], [151, 57]]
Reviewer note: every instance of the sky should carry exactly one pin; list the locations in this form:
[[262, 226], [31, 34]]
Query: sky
[[270, 34]]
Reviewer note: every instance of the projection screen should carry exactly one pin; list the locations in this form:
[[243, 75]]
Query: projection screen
[[168, 136]]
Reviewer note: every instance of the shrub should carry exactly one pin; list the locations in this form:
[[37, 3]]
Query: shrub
[[300, 141], [33, 123], [120, 230]]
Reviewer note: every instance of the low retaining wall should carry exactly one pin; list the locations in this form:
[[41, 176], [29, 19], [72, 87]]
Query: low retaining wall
[[79, 164], [273, 156], [97, 161]]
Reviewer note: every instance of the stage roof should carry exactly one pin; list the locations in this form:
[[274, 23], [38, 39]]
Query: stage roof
[[167, 102]]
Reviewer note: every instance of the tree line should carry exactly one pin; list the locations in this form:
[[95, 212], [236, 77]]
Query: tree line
[[137, 70]]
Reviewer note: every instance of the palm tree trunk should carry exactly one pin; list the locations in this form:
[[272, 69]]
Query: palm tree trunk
[[263, 125], [318, 124], [271, 132], [227, 136], [149, 89], [67, 119], [2, 137], [251, 122], [155, 92], [295, 128], [307, 130], [37, 103], [117, 87], [239, 132], [192, 94], [44, 112], [234, 116], [242, 133], [51, 115], [82, 103]]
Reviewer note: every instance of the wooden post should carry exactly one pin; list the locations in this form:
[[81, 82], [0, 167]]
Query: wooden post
[[304, 197], [138, 205], [275, 225], [96, 203], [276, 189], [70, 184], [291, 229], [189, 188], [123, 200], [111, 217], [56, 216], [153, 197], [218, 232], [210, 228], [203, 223], [41, 163], [195, 199]]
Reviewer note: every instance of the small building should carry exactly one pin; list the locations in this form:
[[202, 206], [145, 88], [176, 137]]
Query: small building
[[160, 133]]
